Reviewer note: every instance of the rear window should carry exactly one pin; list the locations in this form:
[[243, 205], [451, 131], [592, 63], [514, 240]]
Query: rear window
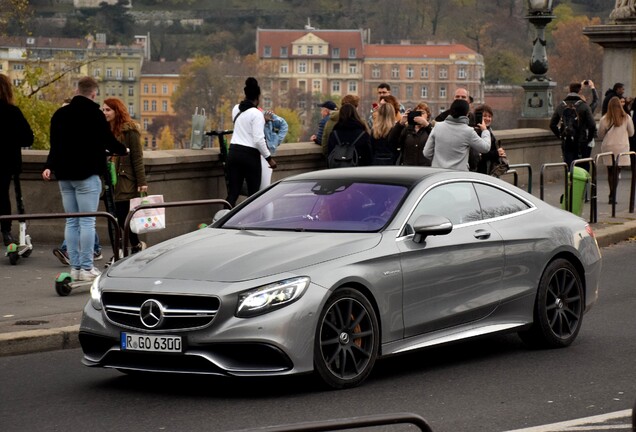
[[321, 206]]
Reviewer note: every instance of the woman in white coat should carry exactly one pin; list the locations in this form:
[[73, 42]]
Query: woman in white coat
[[614, 129]]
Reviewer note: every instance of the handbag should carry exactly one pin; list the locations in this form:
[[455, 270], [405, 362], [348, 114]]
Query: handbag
[[150, 219], [500, 167]]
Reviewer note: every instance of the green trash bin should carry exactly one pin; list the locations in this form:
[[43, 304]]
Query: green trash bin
[[580, 177]]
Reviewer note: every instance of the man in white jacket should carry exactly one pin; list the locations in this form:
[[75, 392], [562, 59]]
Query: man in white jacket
[[449, 144]]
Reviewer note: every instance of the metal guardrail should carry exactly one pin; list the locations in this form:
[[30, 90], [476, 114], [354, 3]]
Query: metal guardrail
[[542, 178], [513, 169], [350, 423], [632, 156], [115, 241], [165, 205], [614, 179]]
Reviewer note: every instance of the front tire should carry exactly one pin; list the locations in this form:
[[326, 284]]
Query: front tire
[[559, 307], [347, 340]]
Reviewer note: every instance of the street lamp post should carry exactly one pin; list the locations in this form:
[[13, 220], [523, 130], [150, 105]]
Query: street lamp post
[[538, 87]]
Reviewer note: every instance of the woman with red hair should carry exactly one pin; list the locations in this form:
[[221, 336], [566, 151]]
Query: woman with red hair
[[131, 175]]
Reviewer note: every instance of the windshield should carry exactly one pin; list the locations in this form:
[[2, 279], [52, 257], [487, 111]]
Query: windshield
[[329, 205]]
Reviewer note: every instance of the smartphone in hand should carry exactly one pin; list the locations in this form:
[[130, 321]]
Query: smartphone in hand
[[479, 117]]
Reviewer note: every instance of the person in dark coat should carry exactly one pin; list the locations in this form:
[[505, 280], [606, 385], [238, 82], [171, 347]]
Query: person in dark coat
[[16, 133], [348, 128], [80, 137], [618, 89], [410, 134]]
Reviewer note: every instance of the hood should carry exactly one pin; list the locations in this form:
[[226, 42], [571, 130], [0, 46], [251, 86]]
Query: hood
[[573, 97], [460, 119], [222, 255]]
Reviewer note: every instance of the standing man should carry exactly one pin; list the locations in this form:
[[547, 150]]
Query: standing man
[[80, 137], [573, 123], [617, 90], [384, 89], [460, 94], [326, 108]]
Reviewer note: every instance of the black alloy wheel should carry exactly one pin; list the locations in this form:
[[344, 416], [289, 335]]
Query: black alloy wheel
[[559, 307], [347, 339]]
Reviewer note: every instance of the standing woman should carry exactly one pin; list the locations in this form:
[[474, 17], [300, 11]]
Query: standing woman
[[410, 134], [131, 175], [614, 129], [383, 152], [16, 133], [351, 128], [247, 144]]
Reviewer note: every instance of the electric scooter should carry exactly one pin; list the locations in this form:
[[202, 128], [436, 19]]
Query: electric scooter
[[24, 247], [64, 282]]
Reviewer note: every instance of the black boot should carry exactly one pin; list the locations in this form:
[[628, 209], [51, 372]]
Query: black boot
[[7, 238]]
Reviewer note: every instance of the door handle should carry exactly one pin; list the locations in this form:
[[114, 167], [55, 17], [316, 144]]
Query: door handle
[[482, 234]]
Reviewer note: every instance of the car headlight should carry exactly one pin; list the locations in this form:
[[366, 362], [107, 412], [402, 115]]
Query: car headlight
[[96, 294], [269, 297]]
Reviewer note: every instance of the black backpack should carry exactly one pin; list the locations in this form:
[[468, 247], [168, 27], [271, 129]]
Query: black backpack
[[569, 121], [344, 154]]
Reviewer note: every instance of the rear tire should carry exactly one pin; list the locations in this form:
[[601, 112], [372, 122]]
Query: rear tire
[[347, 340], [63, 288], [558, 309]]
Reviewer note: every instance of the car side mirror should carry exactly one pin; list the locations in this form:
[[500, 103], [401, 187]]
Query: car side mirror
[[427, 225], [220, 215]]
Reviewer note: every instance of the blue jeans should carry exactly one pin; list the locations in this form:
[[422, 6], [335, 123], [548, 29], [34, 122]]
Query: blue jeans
[[80, 196], [97, 248]]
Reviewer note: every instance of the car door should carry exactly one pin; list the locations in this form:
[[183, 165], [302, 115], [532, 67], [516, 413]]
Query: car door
[[450, 279]]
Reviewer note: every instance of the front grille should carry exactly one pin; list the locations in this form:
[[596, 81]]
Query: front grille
[[179, 312]]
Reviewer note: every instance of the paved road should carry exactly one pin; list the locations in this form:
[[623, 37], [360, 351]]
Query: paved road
[[493, 384]]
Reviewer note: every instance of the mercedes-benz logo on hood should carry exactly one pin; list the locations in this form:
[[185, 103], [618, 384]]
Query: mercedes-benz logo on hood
[[151, 313]]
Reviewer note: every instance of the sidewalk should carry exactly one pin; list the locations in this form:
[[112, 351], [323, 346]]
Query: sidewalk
[[34, 318]]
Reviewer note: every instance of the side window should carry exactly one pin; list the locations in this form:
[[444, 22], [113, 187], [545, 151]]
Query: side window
[[495, 202], [455, 201]]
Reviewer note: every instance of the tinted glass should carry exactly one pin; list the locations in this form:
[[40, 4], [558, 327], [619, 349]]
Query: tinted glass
[[496, 202], [455, 201], [321, 206]]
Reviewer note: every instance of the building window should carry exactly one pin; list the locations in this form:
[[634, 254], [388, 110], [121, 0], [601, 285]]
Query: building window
[[164, 106], [302, 67], [284, 68], [145, 105], [17, 82], [395, 72], [353, 87], [409, 92], [442, 92], [310, 50], [267, 102], [146, 128], [109, 73], [353, 68], [96, 72], [18, 66], [375, 72], [118, 73], [319, 49], [317, 86], [153, 105], [424, 92], [267, 51], [164, 89], [153, 89], [284, 85], [461, 72], [302, 85], [335, 87], [267, 85], [409, 72], [175, 87], [131, 109], [336, 68], [317, 68], [283, 51], [443, 73], [145, 88], [300, 50], [302, 104], [424, 72], [335, 52], [131, 73], [352, 53], [131, 91]]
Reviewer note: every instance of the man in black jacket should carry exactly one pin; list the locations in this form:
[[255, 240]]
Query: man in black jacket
[[80, 137], [577, 146]]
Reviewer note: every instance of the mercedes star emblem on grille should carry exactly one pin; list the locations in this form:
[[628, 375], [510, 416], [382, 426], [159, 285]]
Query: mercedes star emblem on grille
[[151, 313]]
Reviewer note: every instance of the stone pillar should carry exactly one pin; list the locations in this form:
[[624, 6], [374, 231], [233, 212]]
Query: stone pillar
[[618, 40]]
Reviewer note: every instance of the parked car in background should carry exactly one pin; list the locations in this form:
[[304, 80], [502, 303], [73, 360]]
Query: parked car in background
[[328, 271]]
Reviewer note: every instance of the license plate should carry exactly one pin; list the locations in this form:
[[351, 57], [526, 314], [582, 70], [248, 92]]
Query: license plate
[[150, 343]]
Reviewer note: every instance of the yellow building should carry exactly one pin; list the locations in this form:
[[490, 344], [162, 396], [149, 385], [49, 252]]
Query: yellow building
[[159, 81]]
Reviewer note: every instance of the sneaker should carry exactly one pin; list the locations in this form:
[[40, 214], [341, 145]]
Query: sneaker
[[7, 238], [88, 275], [97, 255], [141, 246], [62, 255], [75, 274]]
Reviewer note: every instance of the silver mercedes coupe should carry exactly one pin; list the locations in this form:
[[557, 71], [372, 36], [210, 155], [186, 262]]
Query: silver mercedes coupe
[[328, 271]]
